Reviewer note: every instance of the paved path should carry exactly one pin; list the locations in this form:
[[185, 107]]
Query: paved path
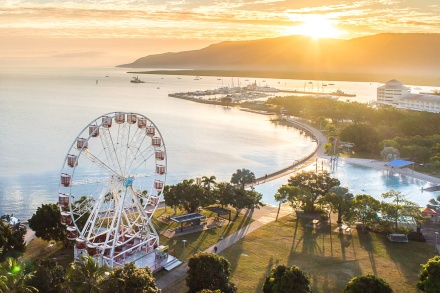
[[303, 162], [261, 217]]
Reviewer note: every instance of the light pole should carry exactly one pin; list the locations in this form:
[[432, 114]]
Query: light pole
[[184, 246], [436, 237]]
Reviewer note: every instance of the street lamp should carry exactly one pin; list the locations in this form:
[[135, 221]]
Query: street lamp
[[436, 236], [184, 245]]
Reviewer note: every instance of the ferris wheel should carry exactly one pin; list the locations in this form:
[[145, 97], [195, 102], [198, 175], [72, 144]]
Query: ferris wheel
[[111, 180]]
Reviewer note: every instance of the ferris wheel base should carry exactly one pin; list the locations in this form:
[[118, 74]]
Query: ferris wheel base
[[156, 260]]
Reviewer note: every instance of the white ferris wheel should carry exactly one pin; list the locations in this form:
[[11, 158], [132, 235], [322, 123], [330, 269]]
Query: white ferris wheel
[[111, 180]]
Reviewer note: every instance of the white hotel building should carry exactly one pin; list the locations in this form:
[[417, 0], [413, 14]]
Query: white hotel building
[[394, 93]]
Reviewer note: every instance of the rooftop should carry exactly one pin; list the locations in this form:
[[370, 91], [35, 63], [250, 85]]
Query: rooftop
[[421, 97]]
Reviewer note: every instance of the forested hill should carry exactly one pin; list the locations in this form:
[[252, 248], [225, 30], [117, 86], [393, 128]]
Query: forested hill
[[398, 54]]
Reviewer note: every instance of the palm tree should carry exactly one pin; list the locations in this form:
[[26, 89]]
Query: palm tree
[[13, 277], [86, 276], [207, 181]]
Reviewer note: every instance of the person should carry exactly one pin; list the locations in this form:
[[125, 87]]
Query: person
[[215, 249]]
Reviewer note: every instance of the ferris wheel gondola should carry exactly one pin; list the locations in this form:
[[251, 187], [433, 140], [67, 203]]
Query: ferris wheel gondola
[[110, 184]]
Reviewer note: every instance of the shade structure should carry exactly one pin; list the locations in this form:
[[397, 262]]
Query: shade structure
[[399, 163]]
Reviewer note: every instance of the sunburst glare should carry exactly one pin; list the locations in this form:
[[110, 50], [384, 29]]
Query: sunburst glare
[[316, 26]]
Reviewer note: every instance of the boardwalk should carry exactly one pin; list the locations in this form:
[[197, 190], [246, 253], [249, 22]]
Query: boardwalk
[[305, 161]]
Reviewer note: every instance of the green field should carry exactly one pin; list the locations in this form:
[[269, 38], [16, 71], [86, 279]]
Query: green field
[[330, 260]]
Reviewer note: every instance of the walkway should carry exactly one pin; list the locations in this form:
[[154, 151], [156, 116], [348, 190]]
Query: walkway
[[303, 162], [261, 217]]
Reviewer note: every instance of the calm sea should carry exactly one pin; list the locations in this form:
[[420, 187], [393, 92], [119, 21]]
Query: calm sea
[[43, 110]]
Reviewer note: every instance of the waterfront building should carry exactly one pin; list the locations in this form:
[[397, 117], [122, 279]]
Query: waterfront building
[[390, 93], [394, 93], [420, 102]]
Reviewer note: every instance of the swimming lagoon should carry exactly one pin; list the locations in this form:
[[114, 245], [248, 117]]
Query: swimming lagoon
[[361, 180]]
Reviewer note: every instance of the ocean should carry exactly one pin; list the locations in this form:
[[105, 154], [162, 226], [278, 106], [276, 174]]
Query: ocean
[[44, 109]]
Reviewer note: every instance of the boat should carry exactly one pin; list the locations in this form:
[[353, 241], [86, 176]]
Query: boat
[[136, 80], [340, 93]]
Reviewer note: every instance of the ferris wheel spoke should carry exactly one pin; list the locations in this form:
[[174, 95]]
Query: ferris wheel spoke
[[108, 148], [127, 147], [95, 213], [145, 159], [138, 148], [94, 180], [114, 151], [99, 163]]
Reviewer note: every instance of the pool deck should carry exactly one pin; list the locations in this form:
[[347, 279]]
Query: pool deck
[[381, 165]]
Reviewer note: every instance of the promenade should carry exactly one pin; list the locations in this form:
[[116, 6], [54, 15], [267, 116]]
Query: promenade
[[262, 216], [303, 162]]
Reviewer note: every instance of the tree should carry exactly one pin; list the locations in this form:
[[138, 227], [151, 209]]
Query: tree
[[363, 135], [429, 276], [171, 198], [130, 279], [284, 279], [86, 276], [327, 147], [46, 223], [313, 187], [281, 196], [14, 275], [367, 284], [365, 209], [188, 196], [208, 181], [400, 209], [11, 239], [48, 276], [224, 193], [246, 199], [209, 271], [389, 153], [340, 201], [243, 177]]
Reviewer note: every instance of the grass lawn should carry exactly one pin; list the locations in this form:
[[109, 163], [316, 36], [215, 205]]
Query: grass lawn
[[39, 249], [198, 241], [328, 259]]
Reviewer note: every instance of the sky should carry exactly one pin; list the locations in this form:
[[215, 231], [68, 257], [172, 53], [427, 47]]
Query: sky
[[112, 32]]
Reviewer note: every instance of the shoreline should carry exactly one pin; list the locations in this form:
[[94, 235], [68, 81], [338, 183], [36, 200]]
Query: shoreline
[[318, 152], [353, 77]]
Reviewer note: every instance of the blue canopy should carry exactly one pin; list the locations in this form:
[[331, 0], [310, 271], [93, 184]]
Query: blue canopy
[[399, 163]]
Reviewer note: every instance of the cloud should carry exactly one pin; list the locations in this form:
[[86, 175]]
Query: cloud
[[230, 19], [79, 55]]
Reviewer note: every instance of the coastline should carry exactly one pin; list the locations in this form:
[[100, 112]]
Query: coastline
[[354, 77], [318, 152]]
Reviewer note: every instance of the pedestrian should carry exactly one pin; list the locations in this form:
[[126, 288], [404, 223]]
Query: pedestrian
[[215, 249]]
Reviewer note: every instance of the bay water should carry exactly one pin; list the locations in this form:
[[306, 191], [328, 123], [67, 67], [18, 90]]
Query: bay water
[[44, 109]]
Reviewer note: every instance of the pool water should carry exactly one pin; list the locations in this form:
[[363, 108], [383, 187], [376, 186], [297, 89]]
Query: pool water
[[362, 180]]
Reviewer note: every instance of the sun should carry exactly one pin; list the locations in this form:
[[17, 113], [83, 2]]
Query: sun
[[316, 26]]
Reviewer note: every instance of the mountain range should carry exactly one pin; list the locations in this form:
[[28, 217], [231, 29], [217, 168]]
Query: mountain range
[[411, 55]]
